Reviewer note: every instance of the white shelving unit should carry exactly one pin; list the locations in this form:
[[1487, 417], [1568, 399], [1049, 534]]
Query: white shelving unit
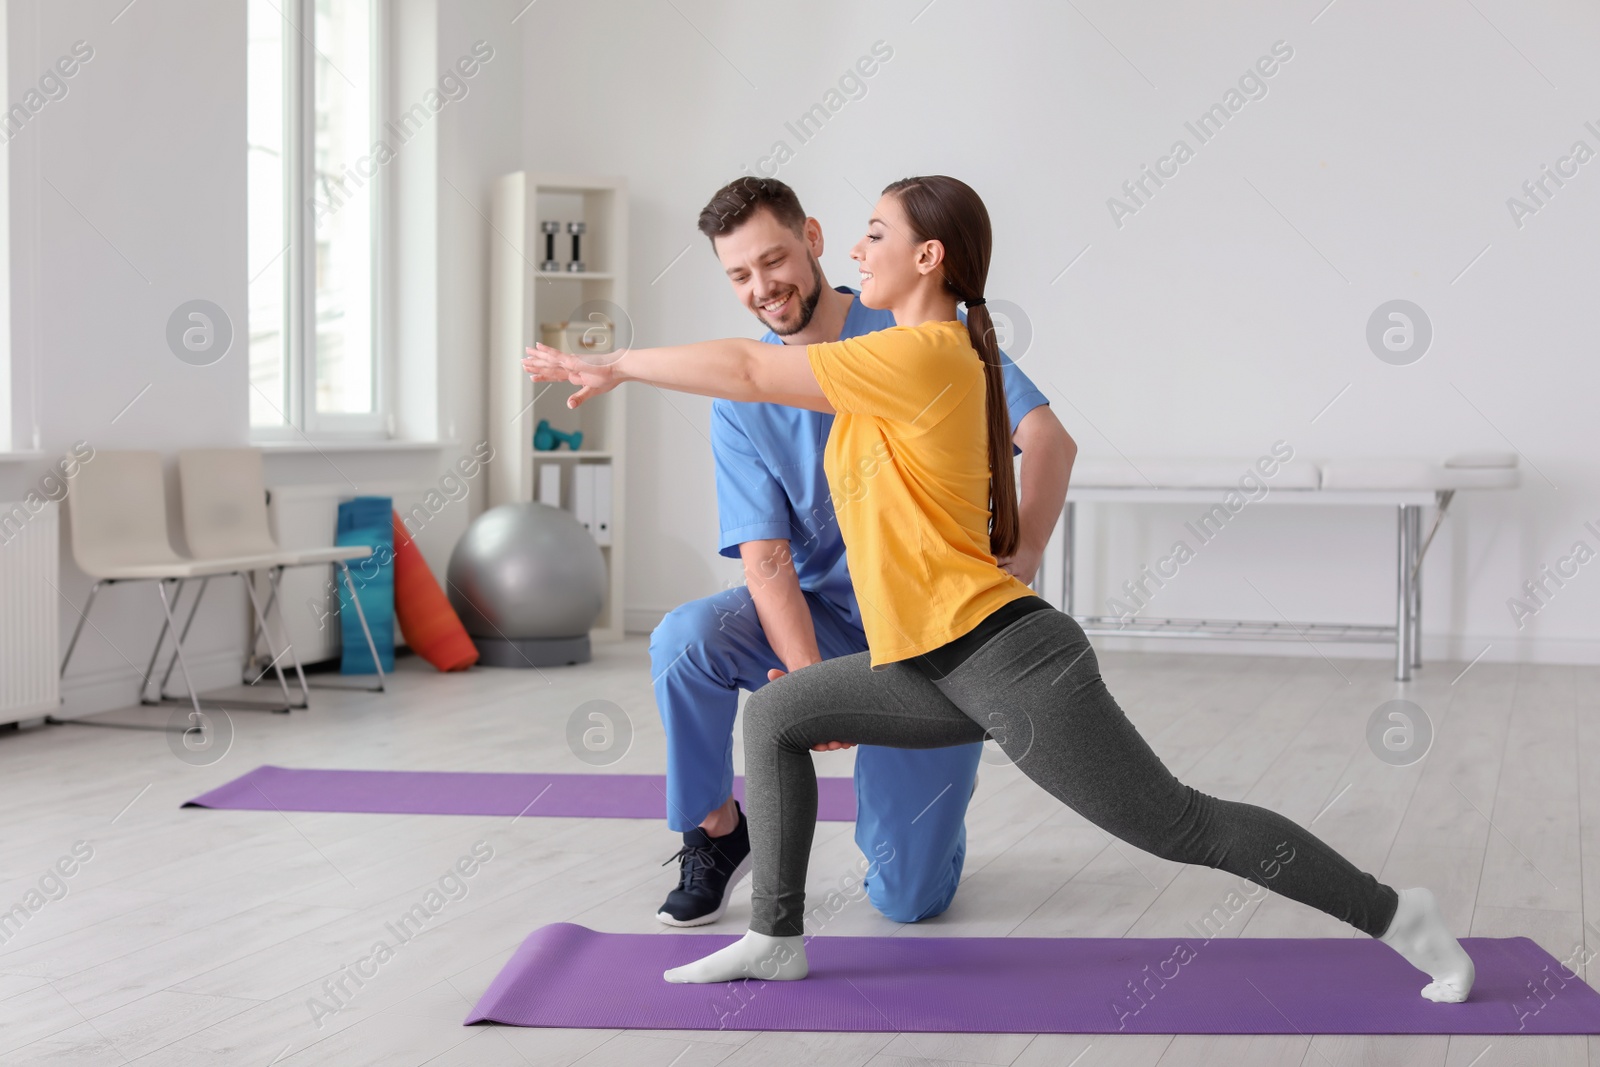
[[522, 299]]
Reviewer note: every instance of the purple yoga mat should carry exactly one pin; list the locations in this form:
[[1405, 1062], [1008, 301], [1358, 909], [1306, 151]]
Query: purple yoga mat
[[591, 796], [570, 976]]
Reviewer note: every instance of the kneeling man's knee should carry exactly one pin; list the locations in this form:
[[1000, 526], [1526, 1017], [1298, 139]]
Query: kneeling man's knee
[[911, 898], [680, 628]]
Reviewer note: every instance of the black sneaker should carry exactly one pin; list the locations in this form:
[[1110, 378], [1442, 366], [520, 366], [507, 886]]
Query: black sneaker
[[709, 868]]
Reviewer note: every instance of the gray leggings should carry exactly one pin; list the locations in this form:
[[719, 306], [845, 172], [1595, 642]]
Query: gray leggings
[[1036, 689]]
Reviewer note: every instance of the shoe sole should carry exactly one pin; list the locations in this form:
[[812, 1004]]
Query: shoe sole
[[712, 916]]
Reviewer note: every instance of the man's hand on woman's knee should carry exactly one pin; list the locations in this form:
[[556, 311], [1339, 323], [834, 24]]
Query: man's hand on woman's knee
[[822, 746]]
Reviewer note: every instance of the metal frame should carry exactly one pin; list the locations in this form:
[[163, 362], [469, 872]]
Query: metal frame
[[166, 610], [274, 576], [180, 636], [1405, 634], [169, 608]]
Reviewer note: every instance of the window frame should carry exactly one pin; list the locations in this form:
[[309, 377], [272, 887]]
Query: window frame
[[303, 420]]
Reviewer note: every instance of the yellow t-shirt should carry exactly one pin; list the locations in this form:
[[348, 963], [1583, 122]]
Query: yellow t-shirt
[[908, 468]]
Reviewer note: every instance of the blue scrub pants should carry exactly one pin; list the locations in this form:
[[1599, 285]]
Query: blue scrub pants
[[910, 803]]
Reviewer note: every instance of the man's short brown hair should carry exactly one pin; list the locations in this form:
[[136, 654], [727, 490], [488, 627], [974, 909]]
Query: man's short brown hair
[[735, 203]]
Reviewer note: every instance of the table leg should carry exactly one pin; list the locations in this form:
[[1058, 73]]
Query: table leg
[[1069, 573], [1416, 585], [1405, 552]]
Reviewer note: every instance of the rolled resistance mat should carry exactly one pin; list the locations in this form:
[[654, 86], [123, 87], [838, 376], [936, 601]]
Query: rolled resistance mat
[[365, 521], [576, 796], [429, 624], [566, 975]]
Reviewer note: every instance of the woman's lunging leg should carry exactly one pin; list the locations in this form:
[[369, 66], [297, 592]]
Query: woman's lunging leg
[[1037, 690], [1073, 739], [1062, 728], [837, 700]]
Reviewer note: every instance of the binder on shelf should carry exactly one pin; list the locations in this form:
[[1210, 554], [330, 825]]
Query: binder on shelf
[[550, 484], [602, 502], [583, 496]]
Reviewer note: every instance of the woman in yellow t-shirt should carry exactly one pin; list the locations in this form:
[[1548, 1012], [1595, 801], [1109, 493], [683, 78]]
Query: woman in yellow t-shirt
[[919, 465]]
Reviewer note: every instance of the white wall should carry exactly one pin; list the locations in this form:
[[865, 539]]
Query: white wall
[[1223, 316], [1217, 320], [125, 202], [128, 198]]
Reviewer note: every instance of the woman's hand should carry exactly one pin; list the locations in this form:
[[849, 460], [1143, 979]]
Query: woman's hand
[[823, 746], [1023, 564], [546, 364]]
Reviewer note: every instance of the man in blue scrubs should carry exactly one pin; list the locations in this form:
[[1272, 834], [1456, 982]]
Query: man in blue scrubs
[[797, 606]]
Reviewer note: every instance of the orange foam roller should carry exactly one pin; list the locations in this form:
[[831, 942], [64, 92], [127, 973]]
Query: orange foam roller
[[429, 624]]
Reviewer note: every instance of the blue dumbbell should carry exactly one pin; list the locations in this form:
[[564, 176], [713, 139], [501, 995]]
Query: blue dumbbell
[[548, 439]]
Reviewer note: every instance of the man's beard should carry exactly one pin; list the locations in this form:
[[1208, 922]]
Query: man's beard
[[808, 305]]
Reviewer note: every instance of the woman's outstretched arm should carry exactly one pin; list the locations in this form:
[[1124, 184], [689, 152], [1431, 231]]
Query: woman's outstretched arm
[[734, 369]]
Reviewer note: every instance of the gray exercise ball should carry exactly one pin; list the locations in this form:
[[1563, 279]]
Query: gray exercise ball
[[528, 582]]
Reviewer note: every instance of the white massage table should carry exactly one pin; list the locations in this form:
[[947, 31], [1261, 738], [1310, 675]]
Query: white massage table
[[1408, 485]]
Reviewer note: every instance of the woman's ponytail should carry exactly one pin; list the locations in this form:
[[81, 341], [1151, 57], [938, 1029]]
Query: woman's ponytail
[[1005, 524], [948, 210]]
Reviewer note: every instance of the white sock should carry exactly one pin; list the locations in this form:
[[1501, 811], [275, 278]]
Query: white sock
[[759, 956], [1419, 934]]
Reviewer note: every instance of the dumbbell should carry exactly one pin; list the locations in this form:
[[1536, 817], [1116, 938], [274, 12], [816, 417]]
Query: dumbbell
[[550, 228], [548, 439], [577, 230]]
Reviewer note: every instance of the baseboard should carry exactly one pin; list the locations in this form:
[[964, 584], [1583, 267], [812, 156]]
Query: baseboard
[[1444, 648], [91, 692], [642, 620], [32, 713]]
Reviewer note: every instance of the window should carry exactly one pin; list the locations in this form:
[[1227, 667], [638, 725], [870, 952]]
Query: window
[[315, 190]]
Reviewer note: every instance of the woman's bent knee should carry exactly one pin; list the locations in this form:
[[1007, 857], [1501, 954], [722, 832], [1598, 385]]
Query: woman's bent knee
[[770, 711]]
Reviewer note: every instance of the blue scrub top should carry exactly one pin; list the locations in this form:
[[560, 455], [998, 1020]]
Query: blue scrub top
[[770, 482]]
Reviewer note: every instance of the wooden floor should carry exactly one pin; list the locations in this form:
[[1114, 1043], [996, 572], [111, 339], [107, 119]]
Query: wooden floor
[[200, 937]]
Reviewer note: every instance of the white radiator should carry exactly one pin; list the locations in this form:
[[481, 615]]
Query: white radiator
[[30, 611], [306, 516]]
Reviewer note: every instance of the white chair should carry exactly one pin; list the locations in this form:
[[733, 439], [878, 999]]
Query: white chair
[[117, 507], [225, 514]]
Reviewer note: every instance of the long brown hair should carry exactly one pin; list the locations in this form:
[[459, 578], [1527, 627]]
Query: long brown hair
[[946, 210]]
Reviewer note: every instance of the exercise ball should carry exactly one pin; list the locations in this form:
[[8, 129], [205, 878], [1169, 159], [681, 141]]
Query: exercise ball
[[528, 582]]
